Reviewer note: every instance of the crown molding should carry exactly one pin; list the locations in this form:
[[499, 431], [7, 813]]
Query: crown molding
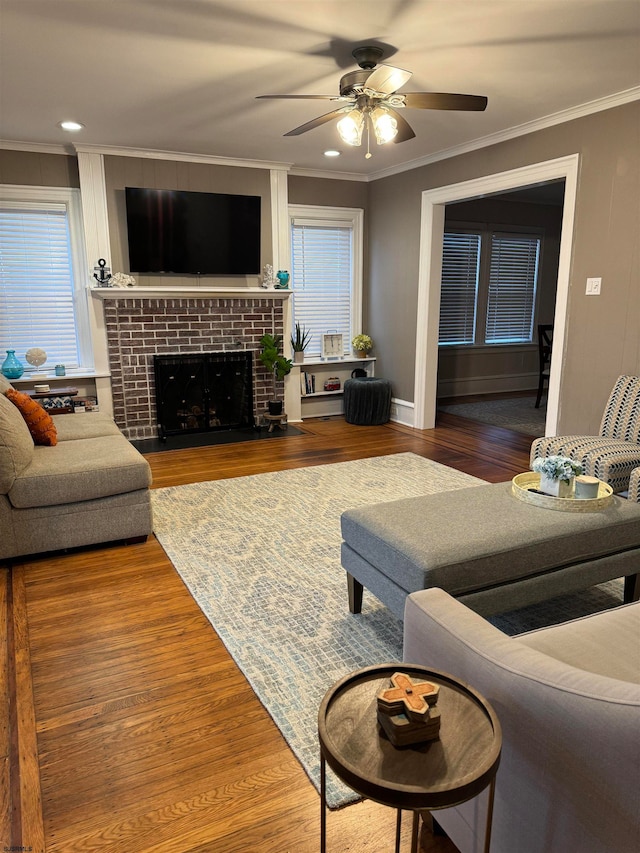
[[181, 156], [606, 103], [336, 176], [36, 147]]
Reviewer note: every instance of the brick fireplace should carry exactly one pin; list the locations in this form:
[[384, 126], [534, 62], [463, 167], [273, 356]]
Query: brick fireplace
[[139, 327]]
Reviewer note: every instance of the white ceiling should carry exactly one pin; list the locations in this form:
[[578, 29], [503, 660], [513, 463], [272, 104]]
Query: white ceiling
[[183, 75]]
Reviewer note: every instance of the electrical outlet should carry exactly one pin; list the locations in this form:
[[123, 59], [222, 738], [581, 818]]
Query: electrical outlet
[[593, 286], [394, 411]]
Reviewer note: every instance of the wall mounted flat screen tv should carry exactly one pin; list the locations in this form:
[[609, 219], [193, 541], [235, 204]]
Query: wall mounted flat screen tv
[[192, 233]]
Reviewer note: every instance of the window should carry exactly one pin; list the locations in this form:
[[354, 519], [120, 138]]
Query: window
[[459, 291], [42, 300], [489, 285], [326, 272]]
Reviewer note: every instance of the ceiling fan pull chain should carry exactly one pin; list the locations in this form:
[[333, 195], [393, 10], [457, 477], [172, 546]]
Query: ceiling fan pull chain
[[367, 156]]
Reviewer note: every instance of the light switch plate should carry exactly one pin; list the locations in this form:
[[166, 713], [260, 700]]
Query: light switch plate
[[593, 286]]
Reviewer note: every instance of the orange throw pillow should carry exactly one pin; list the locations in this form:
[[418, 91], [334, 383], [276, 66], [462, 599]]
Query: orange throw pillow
[[42, 428]]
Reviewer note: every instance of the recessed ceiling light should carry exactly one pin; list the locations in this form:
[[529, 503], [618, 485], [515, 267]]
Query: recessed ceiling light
[[331, 153], [70, 125]]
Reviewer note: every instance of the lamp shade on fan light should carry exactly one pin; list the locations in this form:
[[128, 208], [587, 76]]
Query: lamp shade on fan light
[[385, 125], [350, 128]]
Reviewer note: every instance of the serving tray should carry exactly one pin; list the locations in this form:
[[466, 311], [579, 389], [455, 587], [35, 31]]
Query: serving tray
[[522, 484]]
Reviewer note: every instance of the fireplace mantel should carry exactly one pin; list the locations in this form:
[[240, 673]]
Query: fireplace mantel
[[166, 292]]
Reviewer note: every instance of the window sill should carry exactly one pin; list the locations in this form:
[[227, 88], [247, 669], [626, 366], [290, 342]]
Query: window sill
[[50, 376]]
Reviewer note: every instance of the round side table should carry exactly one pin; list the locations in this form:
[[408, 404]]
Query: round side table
[[437, 774]]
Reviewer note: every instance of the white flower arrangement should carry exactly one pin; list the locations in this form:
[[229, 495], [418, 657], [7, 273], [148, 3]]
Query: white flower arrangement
[[121, 279], [557, 468]]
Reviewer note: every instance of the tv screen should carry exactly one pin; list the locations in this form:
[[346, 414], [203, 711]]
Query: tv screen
[[191, 233]]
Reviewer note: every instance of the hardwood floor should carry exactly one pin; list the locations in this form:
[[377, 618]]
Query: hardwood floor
[[132, 719]]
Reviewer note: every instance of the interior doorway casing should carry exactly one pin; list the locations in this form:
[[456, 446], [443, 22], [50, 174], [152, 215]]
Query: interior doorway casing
[[430, 273]]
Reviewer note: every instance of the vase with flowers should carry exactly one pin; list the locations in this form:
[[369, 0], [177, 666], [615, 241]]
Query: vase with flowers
[[557, 474], [362, 344]]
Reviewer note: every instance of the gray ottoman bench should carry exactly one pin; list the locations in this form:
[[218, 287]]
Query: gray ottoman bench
[[485, 547]]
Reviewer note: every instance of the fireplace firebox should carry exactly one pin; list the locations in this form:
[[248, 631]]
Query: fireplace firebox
[[202, 392]]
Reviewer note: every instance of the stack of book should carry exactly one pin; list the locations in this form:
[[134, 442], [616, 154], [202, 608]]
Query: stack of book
[[307, 383]]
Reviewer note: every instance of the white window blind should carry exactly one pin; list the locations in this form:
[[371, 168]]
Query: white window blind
[[322, 279], [459, 288], [513, 278], [36, 281]]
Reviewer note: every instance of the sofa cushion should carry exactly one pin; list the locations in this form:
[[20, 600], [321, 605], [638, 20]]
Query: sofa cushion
[[605, 643], [38, 421], [4, 384], [16, 444], [80, 470], [85, 425]]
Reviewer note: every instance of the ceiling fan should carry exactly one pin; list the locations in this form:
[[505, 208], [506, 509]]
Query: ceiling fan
[[372, 93]]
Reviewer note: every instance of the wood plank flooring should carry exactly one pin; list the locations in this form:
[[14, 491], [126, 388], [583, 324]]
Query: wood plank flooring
[[139, 743]]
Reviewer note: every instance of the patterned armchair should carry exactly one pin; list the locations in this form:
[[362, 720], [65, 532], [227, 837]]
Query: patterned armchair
[[634, 485], [614, 453]]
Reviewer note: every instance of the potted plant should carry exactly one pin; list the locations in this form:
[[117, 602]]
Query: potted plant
[[556, 475], [299, 343], [277, 365], [362, 344]]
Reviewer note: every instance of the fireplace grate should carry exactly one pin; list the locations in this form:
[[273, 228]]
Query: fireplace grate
[[201, 392]]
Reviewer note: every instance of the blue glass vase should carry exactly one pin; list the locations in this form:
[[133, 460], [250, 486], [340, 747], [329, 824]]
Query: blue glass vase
[[11, 367]]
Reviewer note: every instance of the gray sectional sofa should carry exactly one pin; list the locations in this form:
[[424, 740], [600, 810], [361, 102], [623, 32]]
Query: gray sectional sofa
[[91, 487]]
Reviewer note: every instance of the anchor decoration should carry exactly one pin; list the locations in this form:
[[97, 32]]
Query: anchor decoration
[[102, 273]]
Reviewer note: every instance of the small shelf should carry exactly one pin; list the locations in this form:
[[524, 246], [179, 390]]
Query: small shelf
[[334, 362], [323, 394], [323, 403]]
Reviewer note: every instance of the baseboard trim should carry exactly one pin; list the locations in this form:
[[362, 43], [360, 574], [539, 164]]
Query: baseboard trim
[[403, 412]]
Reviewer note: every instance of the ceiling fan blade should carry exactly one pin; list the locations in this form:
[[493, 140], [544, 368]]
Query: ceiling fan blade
[[405, 130], [316, 122], [386, 79], [302, 97], [444, 101]]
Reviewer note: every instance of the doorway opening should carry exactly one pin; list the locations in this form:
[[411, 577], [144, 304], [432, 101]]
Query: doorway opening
[[431, 243], [498, 292]]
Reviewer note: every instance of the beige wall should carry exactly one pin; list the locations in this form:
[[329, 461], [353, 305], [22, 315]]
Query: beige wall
[[603, 333], [27, 168], [121, 172], [327, 192]]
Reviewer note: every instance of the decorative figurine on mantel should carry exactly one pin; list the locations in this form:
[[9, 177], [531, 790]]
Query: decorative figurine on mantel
[[122, 279], [283, 280], [407, 712], [268, 279], [102, 273]]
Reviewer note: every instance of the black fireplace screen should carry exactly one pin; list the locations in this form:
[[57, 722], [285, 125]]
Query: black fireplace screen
[[203, 391]]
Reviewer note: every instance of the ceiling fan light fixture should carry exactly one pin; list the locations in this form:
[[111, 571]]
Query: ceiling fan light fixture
[[350, 127], [384, 125]]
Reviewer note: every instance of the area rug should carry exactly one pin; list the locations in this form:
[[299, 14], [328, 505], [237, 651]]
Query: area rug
[[261, 557], [516, 413]]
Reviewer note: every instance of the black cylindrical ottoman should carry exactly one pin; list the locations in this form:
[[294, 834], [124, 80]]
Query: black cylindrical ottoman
[[367, 401]]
